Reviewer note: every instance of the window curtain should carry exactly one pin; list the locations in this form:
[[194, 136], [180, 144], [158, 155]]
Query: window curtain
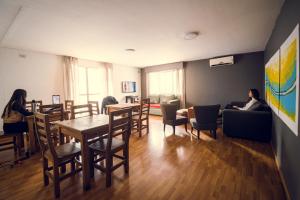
[[170, 81], [70, 73], [72, 78]]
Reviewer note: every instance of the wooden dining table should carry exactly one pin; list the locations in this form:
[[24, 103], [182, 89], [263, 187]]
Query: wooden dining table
[[83, 129], [114, 107]]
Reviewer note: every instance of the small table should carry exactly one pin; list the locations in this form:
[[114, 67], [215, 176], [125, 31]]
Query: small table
[[115, 107], [83, 129]]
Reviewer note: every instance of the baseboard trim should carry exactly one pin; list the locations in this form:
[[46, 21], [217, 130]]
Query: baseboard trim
[[286, 191]]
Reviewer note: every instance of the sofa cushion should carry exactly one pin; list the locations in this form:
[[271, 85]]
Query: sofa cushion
[[154, 99], [155, 105], [166, 98]]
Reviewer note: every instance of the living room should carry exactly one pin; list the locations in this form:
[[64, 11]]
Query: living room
[[203, 85]]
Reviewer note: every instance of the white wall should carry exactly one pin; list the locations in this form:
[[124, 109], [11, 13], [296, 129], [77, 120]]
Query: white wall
[[123, 73], [40, 74]]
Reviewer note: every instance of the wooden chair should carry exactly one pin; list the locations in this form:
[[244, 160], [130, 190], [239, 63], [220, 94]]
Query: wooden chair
[[106, 148], [205, 119], [11, 141], [81, 111], [58, 155], [95, 107], [29, 105], [69, 104], [55, 113], [171, 118], [141, 116]]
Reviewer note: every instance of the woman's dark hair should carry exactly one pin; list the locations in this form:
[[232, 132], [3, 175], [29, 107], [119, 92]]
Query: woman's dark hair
[[255, 93], [18, 97]]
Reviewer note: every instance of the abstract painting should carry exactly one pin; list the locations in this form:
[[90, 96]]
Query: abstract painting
[[289, 81], [272, 71]]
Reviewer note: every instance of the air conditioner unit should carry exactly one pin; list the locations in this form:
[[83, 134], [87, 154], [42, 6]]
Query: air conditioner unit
[[228, 60]]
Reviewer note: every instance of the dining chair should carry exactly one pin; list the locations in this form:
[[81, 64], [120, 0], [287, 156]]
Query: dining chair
[[142, 115], [95, 107], [171, 118], [107, 147], [205, 119], [109, 100], [29, 105], [55, 113], [8, 142], [58, 155], [69, 104], [81, 111]]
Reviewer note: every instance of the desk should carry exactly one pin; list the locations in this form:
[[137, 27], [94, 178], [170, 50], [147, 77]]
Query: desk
[[115, 107], [83, 129]]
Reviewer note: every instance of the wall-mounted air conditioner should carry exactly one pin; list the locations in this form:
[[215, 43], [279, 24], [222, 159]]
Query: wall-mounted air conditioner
[[227, 60]]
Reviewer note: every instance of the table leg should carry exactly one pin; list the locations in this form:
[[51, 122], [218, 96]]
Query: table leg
[[85, 163], [31, 135]]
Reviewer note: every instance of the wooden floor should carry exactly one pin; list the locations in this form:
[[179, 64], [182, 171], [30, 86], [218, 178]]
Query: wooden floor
[[165, 166]]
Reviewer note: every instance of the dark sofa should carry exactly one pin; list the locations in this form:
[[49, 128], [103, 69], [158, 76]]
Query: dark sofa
[[253, 125]]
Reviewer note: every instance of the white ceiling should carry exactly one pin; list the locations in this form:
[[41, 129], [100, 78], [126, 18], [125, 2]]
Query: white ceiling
[[101, 29]]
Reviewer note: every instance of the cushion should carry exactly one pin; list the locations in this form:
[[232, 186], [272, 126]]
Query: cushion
[[154, 105], [257, 106], [154, 99], [166, 98]]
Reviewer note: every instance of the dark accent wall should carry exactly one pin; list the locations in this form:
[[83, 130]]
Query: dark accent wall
[[223, 84], [285, 143]]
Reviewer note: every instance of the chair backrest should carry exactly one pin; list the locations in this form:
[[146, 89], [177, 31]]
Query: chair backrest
[[69, 104], [81, 111], [144, 108], [43, 131], [168, 111], [119, 124], [206, 114], [109, 100], [29, 105], [55, 111], [95, 107]]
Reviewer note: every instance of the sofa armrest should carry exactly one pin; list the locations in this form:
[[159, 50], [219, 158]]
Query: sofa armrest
[[256, 125]]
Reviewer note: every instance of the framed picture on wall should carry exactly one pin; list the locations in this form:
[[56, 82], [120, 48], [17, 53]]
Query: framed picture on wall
[[55, 99], [128, 86]]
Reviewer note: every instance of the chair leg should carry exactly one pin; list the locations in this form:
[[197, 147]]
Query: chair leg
[[126, 156], [173, 130], [15, 145], [92, 163], [148, 125], [108, 170], [56, 181], [185, 126], [214, 134], [140, 128], [198, 134], [192, 129], [45, 168], [164, 127], [73, 166]]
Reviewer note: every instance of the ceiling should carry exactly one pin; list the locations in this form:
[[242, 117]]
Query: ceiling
[[101, 29]]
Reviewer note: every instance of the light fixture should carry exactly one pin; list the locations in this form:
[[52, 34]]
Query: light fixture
[[191, 35], [130, 50]]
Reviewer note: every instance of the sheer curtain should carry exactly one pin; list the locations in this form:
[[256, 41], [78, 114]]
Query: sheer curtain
[[70, 73], [86, 80], [167, 82]]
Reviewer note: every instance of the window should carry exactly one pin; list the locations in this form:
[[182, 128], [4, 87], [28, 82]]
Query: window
[[169, 82], [92, 84]]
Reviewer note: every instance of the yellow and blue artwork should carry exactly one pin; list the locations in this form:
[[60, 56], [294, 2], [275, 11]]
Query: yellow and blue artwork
[[272, 72], [289, 81]]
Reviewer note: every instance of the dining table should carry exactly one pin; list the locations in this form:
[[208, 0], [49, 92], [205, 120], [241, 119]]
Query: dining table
[[115, 107], [84, 129]]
